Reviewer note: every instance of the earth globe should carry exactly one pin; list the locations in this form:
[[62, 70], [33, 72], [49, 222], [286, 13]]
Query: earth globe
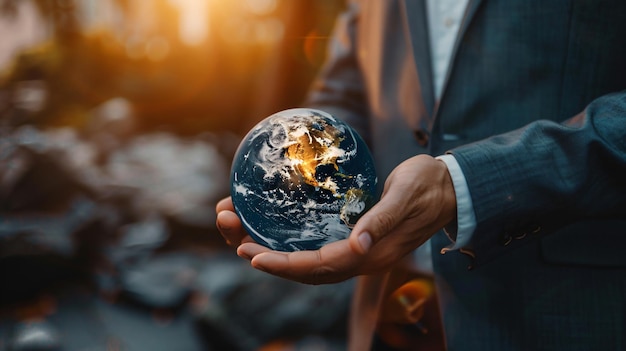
[[300, 179]]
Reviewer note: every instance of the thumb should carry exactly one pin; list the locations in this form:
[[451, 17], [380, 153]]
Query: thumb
[[375, 224]]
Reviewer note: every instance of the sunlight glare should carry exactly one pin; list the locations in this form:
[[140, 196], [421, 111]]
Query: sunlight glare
[[157, 48], [261, 7], [194, 26]]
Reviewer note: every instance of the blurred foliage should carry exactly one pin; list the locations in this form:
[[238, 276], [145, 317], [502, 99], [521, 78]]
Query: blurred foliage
[[95, 68], [220, 85]]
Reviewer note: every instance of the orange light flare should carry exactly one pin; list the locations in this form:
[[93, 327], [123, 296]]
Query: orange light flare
[[314, 47], [405, 306]]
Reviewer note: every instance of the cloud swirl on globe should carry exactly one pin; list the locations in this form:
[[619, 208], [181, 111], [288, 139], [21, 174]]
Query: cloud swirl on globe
[[301, 179]]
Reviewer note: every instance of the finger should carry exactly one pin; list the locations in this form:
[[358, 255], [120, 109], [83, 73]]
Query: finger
[[250, 249], [225, 204], [230, 227], [332, 263]]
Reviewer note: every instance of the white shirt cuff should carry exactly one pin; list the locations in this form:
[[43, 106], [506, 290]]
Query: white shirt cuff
[[466, 219]]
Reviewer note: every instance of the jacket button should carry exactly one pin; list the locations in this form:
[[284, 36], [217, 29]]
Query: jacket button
[[421, 136]]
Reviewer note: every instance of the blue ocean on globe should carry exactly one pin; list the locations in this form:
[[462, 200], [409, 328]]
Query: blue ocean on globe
[[301, 179]]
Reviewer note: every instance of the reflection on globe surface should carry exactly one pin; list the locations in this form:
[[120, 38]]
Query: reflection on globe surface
[[300, 179]]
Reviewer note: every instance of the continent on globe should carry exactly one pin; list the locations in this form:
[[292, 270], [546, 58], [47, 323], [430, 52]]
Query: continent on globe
[[300, 179]]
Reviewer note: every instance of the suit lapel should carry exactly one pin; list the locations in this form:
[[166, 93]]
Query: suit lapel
[[417, 24], [472, 8]]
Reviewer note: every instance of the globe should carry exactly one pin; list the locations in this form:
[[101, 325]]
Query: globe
[[300, 179]]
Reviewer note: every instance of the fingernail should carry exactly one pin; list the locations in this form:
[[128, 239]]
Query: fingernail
[[222, 227], [257, 265], [242, 254], [365, 240]]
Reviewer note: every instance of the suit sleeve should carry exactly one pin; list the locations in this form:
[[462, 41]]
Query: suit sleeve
[[547, 175], [339, 88]]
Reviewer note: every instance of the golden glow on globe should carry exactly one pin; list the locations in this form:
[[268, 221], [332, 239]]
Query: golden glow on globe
[[313, 148]]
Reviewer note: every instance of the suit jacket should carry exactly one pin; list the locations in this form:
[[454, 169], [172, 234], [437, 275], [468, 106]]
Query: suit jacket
[[534, 110]]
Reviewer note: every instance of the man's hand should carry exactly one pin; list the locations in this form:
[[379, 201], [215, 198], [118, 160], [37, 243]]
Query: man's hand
[[418, 199]]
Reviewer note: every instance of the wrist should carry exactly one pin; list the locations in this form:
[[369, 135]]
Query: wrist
[[448, 195]]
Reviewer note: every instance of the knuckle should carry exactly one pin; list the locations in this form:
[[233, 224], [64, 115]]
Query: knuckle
[[326, 275], [320, 275], [385, 221]]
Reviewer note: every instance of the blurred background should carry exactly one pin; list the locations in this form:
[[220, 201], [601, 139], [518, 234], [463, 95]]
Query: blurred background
[[118, 122]]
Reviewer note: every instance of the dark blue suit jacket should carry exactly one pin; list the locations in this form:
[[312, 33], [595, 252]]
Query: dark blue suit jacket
[[534, 110]]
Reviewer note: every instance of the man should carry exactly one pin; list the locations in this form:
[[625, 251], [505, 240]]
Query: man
[[532, 112]]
